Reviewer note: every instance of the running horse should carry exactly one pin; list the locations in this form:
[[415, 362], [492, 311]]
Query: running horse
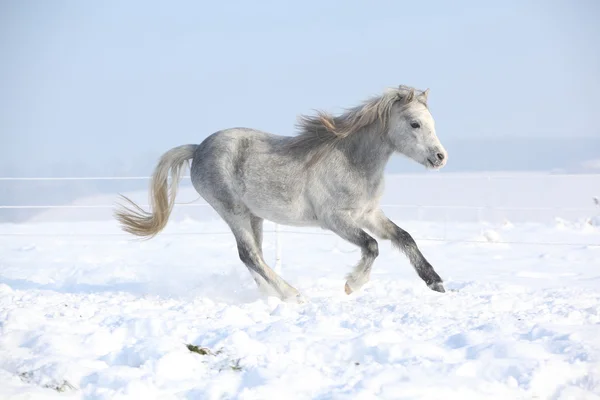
[[330, 175]]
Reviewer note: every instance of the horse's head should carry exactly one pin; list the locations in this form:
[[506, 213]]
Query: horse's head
[[411, 129]]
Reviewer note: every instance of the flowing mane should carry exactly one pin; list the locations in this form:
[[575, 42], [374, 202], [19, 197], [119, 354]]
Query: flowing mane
[[321, 131]]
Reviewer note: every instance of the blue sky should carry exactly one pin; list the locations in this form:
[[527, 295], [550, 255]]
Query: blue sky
[[100, 80]]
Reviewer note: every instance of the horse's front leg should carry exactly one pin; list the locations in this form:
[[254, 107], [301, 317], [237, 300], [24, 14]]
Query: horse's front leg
[[384, 228], [344, 226]]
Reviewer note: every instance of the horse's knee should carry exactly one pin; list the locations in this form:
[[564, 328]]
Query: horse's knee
[[372, 248]]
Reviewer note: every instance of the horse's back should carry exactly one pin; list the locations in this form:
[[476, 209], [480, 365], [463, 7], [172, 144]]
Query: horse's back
[[246, 167], [220, 154]]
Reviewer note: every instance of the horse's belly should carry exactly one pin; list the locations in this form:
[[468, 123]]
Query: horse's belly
[[294, 214]]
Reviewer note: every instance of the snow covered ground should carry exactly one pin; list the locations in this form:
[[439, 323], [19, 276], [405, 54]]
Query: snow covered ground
[[109, 317]]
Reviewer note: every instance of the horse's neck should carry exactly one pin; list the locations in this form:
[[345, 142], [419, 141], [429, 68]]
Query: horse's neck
[[369, 152]]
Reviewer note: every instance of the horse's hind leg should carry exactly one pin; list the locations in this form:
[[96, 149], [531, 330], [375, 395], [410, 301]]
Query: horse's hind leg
[[250, 254], [248, 235], [257, 230]]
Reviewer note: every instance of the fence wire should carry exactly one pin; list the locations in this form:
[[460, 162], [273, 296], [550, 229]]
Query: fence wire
[[278, 231], [80, 235]]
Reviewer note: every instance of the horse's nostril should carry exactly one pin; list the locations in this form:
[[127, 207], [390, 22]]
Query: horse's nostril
[[441, 156]]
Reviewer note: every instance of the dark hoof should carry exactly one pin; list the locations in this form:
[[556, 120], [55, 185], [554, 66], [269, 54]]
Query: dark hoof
[[437, 286]]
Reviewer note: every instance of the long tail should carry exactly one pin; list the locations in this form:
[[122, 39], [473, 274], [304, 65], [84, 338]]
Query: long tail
[[162, 196]]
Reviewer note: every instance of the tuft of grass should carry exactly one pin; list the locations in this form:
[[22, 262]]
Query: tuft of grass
[[203, 351], [63, 387], [234, 366], [59, 387]]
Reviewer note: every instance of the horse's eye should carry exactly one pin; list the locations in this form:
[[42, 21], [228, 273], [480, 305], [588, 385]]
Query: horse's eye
[[415, 125]]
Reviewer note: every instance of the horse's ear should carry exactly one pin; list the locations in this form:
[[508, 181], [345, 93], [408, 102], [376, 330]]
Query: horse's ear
[[406, 97], [424, 95]]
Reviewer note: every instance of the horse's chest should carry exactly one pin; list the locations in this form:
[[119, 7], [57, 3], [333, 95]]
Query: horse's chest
[[370, 189], [358, 196]]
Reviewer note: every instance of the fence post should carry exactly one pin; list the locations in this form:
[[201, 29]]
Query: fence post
[[277, 250], [488, 200], [446, 224]]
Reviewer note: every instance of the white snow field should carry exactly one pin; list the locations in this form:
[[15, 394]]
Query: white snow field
[[88, 312]]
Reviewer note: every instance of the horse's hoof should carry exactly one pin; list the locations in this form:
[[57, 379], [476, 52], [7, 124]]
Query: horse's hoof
[[347, 288], [437, 286], [301, 299], [295, 299]]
